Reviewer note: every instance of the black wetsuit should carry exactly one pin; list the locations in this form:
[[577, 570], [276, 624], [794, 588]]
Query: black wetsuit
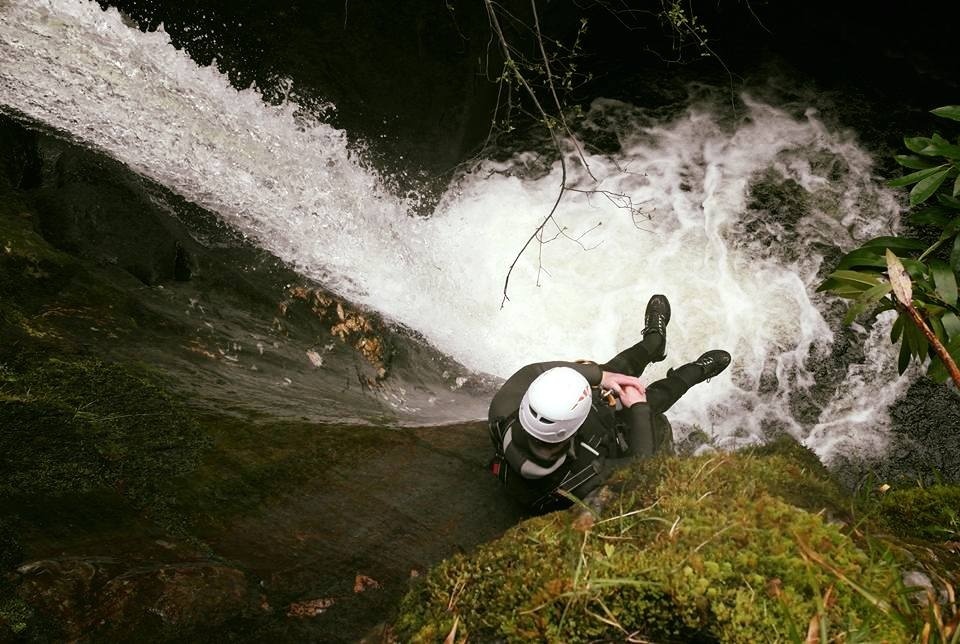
[[606, 440]]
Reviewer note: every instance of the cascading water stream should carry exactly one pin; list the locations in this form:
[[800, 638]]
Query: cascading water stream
[[291, 183]]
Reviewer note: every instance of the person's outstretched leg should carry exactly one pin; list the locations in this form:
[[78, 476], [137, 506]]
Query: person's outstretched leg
[[663, 393], [653, 347]]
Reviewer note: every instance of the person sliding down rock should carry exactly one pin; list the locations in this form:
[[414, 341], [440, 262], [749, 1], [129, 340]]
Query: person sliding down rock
[[563, 427]]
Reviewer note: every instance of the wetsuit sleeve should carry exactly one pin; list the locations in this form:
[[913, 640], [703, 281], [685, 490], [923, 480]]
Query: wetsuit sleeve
[[507, 399], [640, 437]]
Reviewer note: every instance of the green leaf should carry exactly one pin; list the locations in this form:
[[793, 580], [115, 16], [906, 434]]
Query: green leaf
[[953, 348], [922, 346], [937, 327], [862, 257], [918, 342], [948, 112], [886, 304], [922, 191], [915, 269], [951, 228], [955, 255], [869, 257], [940, 146], [956, 186], [945, 280], [937, 371], [841, 289], [866, 299], [899, 243], [943, 149], [947, 200], [914, 162], [936, 215], [916, 143], [914, 177], [897, 329], [857, 279], [904, 360], [931, 309], [951, 324], [902, 286]]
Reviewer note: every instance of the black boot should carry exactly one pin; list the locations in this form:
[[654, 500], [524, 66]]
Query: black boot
[[707, 366], [655, 324]]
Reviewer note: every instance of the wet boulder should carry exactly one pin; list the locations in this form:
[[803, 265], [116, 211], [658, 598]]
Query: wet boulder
[[98, 597], [745, 547]]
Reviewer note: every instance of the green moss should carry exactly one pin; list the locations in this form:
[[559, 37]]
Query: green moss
[[49, 299], [804, 482], [10, 550], [15, 616], [76, 426], [27, 262], [727, 548], [251, 461], [931, 512]]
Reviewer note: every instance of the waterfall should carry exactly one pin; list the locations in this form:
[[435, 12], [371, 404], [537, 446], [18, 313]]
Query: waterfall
[[290, 182]]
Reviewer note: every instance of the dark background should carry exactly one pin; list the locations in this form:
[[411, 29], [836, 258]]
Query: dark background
[[415, 80]]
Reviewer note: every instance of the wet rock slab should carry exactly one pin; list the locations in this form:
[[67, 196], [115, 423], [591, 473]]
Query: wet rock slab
[[325, 559]]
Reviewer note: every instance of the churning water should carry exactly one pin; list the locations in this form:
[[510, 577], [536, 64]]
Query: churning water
[[736, 280]]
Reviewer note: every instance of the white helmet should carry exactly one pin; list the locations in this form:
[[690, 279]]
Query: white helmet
[[555, 404]]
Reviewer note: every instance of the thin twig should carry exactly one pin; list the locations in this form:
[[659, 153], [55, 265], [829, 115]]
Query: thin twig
[[509, 61], [553, 90]]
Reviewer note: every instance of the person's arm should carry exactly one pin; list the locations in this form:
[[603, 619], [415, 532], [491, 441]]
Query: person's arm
[[640, 438], [640, 421]]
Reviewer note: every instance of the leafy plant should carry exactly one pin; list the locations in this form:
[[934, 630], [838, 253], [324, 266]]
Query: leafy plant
[[916, 278]]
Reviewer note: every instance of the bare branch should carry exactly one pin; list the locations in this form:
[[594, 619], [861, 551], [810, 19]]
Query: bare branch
[[547, 70], [539, 229], [511, 64], [553, 91]]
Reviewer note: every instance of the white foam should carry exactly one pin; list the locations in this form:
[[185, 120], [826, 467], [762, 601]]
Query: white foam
[[291, 184]]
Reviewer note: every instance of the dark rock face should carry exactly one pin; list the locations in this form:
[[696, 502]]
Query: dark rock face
[[926, 422], [322, 551], [923, 447], [179, 595], [89, 208]]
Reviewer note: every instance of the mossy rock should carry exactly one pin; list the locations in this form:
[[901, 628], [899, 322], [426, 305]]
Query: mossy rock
[[931, 512], [28, 264], [15, 618], [725, 548], [70, 426]]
